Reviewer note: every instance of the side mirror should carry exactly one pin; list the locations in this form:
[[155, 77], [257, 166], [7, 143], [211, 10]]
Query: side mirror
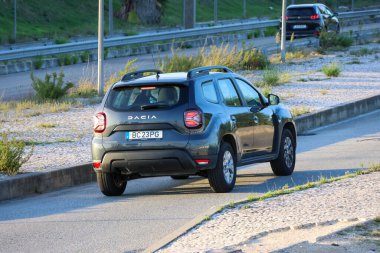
[[273, 99]]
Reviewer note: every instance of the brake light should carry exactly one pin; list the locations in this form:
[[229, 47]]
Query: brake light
[[286, 17], [99, 122], [193, 119], [148, 88], [316, 16]]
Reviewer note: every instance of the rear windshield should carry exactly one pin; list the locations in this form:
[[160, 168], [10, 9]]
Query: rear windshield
[[300, 12], [146, 98]]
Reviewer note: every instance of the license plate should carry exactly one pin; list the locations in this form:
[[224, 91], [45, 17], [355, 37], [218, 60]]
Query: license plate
[[299, 27], [143, 135]]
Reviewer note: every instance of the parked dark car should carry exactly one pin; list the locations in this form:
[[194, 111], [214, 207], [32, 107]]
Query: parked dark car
[[195, 123], [305, 20]]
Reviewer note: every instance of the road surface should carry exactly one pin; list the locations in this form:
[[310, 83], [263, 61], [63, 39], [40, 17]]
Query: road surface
[[81, 219]]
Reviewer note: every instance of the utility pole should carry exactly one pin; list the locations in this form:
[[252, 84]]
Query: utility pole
[[100, 48], [352, 5], [283, 31], [110, 17], [14, 20], [245, 8], [215, 11]]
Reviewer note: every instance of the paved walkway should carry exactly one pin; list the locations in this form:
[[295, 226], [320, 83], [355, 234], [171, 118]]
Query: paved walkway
[[234, 229]]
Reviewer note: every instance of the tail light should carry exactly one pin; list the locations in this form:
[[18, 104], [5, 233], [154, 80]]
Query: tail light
[[97, 165], [193, 119], [99, 122], [316, 16], [286, 17], [202, 161]]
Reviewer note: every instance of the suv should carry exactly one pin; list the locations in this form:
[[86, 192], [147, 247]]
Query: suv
[[195, 123], [305, 20]]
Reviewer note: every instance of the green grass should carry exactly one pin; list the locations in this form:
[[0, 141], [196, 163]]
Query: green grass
[[364, 51], [331, 70], [299, 110], [46, 125]]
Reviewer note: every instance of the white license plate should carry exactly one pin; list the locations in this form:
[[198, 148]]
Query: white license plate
[[143, 135], [299, 27]]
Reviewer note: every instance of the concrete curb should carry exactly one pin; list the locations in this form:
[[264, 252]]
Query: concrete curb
[[336, 114], [41, 182]]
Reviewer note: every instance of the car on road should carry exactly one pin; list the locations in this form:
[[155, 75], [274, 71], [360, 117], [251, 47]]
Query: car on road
[[305, 20], [196, 123]]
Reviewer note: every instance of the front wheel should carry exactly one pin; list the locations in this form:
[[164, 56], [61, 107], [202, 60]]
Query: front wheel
[[223, 177], [286, 160], [111, 184]]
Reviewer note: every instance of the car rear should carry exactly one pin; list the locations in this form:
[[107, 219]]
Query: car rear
[[144, 128], [303, 21]]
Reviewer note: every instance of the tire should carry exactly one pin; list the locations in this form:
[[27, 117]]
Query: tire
[[180, 177], [223, 177], [286, 160], [337, 29], [111, 184]]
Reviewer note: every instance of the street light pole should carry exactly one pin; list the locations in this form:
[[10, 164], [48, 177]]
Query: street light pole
[[283, 31], [100, 48]]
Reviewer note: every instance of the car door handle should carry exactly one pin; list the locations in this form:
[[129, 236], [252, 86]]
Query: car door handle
[[256, 119]]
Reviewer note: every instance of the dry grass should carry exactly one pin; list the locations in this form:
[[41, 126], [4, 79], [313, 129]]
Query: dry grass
[[46, 125], [31, 108], [87, 86], [299, 110]]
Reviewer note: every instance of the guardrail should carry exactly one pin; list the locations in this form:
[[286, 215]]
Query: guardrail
[[146, 38]]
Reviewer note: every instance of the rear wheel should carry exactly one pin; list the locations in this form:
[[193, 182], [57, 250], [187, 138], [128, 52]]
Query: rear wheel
[[286, 160], [223, 177], [180, 177], [111, 184]]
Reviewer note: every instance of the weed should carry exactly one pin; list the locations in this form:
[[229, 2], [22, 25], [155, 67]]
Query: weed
[[266, 90], [299, 110], [302, 80], [61, 40], [231, 205], [254, 59], [376, 233], [377, 219], [74, 59], [354, 61], [85, 56], [129, 67], [271, 77], [52, 87], [46, 125], [207, 218], [12, 155], [38, 62], [333, 41], [332, 69], [324, 91], [364, 51], [270, 31]]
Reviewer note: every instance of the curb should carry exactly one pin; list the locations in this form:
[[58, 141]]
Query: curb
[[41, 182]]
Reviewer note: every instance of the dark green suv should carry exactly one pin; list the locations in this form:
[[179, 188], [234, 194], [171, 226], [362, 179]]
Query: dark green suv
[[196, 123]]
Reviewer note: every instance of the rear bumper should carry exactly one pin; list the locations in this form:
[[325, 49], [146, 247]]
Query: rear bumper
[[144, 163]]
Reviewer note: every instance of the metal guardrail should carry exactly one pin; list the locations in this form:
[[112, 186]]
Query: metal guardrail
[[146, 38]]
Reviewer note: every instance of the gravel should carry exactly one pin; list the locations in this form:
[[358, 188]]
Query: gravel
[[68, 143], [347, 199]]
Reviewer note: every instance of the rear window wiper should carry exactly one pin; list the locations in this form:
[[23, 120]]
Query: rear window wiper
[[153, 106]]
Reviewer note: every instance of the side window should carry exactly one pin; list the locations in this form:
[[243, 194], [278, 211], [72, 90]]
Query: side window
[[230, 96], [328, 11], [251, 96], [209, 92]]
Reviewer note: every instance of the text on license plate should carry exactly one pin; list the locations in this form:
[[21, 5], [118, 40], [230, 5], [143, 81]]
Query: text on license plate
[[143, 135], [299, 27]]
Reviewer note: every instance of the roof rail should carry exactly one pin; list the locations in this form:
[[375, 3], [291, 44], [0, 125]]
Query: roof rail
[[202, 71], [138, 74]]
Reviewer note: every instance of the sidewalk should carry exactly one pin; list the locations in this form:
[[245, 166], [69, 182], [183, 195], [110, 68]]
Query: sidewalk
[[320, 210]]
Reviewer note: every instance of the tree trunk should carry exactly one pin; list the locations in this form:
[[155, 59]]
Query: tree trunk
[[148, 11]]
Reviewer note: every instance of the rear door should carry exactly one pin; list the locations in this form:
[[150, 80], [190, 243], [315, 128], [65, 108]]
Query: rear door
[[146, 117]]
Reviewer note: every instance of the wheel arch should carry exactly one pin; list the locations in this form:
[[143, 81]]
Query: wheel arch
[[291, 127]]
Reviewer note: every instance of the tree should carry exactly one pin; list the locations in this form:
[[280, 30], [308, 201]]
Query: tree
[[148, 11]]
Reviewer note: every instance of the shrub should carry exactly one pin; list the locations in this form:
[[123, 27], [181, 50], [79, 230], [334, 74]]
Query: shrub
[[328, 40], [254, 59], [37, 62], [61, 40], [12, 155], [224, 55], [64, 59], [271, 77], [180, 62], [85, 56], [270, 31], [74, 59], [331, 70], [52, 87]]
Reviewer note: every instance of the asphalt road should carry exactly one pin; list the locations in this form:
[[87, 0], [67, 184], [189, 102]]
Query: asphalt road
[[81, 219], [18, 85]]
